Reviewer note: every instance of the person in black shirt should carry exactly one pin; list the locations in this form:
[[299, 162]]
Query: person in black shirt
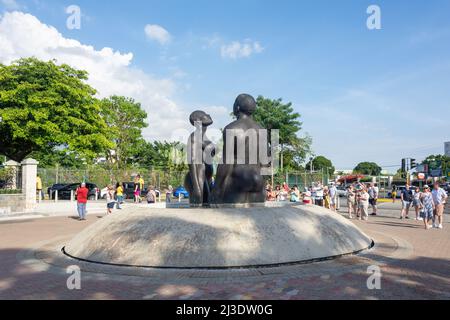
[[407, 198]]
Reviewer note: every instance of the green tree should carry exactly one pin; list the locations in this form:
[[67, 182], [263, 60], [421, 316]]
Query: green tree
[[125, 119], [369, 168], [159, 155], [274, 114], [321, 163], [44, 106], [436, 161]]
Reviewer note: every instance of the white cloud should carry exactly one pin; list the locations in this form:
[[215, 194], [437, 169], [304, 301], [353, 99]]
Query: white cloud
[[158, 33], [10, 4], [236, 49], [110, 72]]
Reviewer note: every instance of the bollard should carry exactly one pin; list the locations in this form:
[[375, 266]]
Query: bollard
[[71, 196], [56, 195], [179, 197], [96, 195], [40, 196]]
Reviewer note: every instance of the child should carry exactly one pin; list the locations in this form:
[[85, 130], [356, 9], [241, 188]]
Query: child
[[110, 202]]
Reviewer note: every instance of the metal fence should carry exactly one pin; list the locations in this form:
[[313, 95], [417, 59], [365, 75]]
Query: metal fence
[[102, 177], [10, 180]]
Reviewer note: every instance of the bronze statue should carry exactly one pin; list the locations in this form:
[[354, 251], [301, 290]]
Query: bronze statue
[[239, 178], [199, 179]]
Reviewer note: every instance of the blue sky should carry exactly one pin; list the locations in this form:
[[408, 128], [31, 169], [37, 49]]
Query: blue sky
[[376, 95]]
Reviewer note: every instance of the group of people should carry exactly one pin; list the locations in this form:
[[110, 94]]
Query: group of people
[[360, 197], [115, 196], [428, 204], [323, 196], [317, 194]]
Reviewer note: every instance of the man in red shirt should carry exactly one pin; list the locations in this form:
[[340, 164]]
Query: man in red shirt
[[82, 196]]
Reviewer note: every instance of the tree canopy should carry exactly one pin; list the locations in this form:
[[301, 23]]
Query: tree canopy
[[274, 114], [436, 161], [44, 105], [125, 120], [321, 163], [369, 168]]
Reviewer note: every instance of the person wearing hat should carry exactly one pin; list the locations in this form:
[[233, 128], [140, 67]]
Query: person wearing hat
[[426, 198], [333, 196]]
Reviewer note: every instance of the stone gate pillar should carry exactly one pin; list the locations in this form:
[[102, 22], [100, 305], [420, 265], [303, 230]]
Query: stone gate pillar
[[29, 174]]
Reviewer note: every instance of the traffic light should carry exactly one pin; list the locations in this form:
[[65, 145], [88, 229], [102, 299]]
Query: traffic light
[[413, 163], [403, 165]]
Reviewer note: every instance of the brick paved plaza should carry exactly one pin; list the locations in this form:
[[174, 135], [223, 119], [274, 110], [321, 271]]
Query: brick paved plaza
[[415, 264]]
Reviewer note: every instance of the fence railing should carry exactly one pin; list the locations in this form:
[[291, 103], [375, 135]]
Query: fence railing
[[102, 177]]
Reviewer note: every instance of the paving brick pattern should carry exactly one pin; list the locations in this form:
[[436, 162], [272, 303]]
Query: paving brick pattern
[[415, 264]]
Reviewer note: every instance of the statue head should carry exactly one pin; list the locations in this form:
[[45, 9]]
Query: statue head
[[202, 117], [245, 104]]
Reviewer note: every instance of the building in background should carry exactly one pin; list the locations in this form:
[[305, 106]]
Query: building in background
[[447, 148]]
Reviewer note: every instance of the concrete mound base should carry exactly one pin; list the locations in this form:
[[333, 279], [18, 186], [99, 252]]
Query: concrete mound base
[[217, 238]]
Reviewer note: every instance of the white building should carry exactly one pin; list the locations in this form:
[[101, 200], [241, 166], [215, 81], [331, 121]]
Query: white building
[[447, 149]]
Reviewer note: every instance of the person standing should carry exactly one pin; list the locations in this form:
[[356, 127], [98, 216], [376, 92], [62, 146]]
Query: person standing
[[394, 193], [39, 188], [439, 199], [363, 200], [333, 196], [110, 202], [82, 196], [119, 195], [351, 201], [137, 189], [326, 197], [319, 195], [169, 192], [417, 203], [373, 198], [407, 197], [426, 199]]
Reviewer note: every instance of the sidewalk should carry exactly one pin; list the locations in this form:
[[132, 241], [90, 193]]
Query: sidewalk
[[414, 265]]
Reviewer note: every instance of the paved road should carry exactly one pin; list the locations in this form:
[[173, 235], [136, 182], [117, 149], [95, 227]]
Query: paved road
[[415, 264]]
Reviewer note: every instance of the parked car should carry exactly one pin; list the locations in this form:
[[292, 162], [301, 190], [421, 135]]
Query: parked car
[[181, 191], [64, 193], [342, 191], [53, 188]]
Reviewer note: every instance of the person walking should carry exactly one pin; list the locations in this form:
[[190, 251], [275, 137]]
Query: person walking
[[110, 201], [417, 203], [373, 198], [407, 197], [439, 199], [428, 207], [363, 200], [119, 195], [82, 197], [351, 201]]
